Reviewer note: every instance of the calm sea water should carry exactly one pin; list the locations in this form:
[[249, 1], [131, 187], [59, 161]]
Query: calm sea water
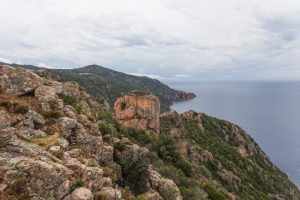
[[268, 111]]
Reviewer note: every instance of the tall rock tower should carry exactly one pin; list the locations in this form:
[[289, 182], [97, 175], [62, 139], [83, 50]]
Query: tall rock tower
[[138, 110]]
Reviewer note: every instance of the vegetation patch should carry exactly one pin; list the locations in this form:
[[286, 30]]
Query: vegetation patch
[[106, 127], [213, 193], [55, 114], [120, 146], [72, 101], [109, 171], [47, 141], [77, 184]]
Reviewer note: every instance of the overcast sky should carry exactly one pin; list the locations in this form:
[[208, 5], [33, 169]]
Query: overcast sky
[[195, 39]]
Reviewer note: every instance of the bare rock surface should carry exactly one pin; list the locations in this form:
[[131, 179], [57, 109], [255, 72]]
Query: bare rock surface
[[138, 110]]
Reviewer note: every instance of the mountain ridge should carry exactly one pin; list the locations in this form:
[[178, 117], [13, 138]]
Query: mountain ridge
[[109, 84]]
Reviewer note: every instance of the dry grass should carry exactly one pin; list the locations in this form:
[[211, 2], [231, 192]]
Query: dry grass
[[52, 127], [18, 104], [47, 141]]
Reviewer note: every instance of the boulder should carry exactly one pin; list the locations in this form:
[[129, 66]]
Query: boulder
[[27, 133], [109, 193], [18, 81], [70, 111], [63, 143], [82, 194], [7, 119], [74, 153], [35, 117], [230, 178], [93, 178], [166, 187], [107, 154], [43, 177]]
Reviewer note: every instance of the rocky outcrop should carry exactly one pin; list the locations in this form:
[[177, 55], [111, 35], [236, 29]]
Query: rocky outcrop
[[50, 142], [18, 81], [230, 178], [166, 187], [181, 96], [135, 162], [138, 110], [51, 146], [58, 142]]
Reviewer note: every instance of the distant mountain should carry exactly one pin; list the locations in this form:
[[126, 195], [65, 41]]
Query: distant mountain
[[109, 84]]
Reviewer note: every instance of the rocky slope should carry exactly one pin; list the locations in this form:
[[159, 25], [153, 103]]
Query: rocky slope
[[59, 142], [109, 84], [54, 144]]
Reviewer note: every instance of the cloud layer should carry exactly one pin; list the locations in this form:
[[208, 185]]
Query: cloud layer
[[207, 39]]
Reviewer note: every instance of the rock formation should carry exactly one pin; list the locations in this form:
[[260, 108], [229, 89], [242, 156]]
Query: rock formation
[[51, 146], [57, 142], [138, 110]]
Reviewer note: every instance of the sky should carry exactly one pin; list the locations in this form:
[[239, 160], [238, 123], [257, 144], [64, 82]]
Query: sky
[[163, 39]]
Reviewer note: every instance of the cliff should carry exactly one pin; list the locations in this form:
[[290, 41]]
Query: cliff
[[138, 110], [56, 143], [108, 84], [59, 142]]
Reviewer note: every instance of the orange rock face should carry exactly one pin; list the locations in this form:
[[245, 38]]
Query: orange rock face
[[138, 110]]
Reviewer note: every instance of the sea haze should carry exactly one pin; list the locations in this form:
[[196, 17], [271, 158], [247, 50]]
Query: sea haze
[[268, 111]]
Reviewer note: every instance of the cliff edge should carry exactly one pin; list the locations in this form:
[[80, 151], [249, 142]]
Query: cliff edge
[[138, 110], [59, 142]]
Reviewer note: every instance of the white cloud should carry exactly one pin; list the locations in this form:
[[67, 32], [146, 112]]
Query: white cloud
[[5, 60], [165, 37], [148, 75], [183, 76], [43, 65]]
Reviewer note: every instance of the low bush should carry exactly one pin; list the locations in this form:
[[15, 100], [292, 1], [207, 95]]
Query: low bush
[[106, 127], [110, 172], [120, 146], [55, 114], [213, 193], [77, 184]]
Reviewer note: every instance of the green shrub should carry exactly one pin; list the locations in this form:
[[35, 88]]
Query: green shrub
[[69, 100], [110, 172], [120, 146], [72, 101], [106, 127], [203, 171], [58, 154], [108, 117], [101, 101], [213, 193], [171, 172], [77, 184], [140, 137], [78, 108], [167, 150], [142, 197]]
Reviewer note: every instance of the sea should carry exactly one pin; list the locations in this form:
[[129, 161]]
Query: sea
[[267, 110]]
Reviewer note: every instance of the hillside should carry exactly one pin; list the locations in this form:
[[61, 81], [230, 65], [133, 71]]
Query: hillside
[[109, 84], [59, 142]]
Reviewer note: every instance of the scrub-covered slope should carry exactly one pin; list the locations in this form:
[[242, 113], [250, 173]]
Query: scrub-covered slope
[[59, 142], [105, 83]]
